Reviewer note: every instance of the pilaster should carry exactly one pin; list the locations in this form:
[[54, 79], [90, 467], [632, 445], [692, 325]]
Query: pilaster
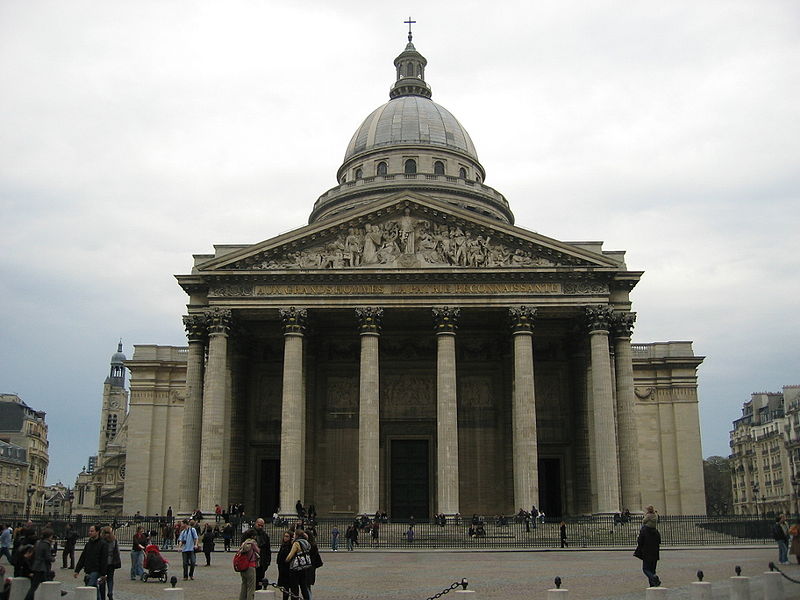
[[446, 323], [196, 333], [369, 321]]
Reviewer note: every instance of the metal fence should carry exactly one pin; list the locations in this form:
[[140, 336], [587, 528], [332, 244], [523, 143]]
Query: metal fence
[[581, 532]]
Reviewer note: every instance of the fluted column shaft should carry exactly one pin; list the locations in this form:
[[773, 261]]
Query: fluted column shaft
[[192, 414], [524, 439], [293, 430], [446, 411], [212, 465], [627, 433], [604, 454], [369, 412]]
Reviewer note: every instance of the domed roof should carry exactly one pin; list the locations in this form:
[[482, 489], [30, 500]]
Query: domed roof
[[118, 357], [410, 120]]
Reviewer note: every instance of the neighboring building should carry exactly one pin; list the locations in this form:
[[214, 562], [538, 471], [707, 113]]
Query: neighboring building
[[57, 500], [412, 350], [25, 427], [99, 487], [13, 475], [765, 453]]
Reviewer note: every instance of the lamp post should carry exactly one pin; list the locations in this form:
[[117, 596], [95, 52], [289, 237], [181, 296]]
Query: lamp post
[[755, 497], [31, 491]]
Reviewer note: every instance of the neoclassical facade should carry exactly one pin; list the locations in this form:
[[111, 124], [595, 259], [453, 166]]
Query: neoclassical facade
[[412, 350]]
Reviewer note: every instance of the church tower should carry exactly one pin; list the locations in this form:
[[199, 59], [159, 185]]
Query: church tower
[[115, 402]]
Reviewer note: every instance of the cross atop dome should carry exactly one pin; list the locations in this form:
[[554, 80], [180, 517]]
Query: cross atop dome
[[409, 28], [410, 66]]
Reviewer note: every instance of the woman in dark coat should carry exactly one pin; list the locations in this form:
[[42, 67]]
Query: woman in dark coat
[[208, 543], [110, 561], [284, 574], [647, 551]]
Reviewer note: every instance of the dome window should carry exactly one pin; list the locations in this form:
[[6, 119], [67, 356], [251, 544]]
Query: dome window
[[462, 173], [359, 173], [410, 167], [382, 168], [438, 168]]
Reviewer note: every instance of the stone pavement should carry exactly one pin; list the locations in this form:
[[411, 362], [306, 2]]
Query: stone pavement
[[494, 575]]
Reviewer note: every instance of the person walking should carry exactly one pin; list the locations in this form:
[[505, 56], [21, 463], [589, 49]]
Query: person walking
[[208, 543], [110, 562], [562, 531], [70, 539], [187, 542], [6, 537], [335, 539], [284, 574], [91, 559], [298, 578], [227, 535], [647, 547], [264, 551], [249, 548], [42, 561], [794, 548], [138, 544], [780, 533]]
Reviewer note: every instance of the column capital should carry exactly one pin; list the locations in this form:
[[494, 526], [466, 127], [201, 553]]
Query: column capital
[[195, 326], [622, 323], [598, 318], [369, 319], [294, 319], [521, 318], [446, 319], [218, 320]]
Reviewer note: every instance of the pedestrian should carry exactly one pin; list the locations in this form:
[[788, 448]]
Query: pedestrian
[[264, 552], [138, 544], [780, 533], [647, 546], [350, 536], [249, 548], [284, 574], [335, 539], [91, 559], [298, 578], [166, 533], [110, 562], [316, 563], [794, 531], [5, 542], [42, 561], [70, 539], [563, 534], [650, 518], [208, 543], [410, 534], [227, 535], [375, 527], [187, 542]]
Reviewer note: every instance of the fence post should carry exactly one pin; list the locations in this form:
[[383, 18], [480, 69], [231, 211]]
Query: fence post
[[773, 585], [19, 588], [85, 592], [49, 590]]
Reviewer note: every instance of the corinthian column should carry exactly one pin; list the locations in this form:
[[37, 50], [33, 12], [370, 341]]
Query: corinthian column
[[192, 413], [604, 453], [446, 410], [212, 464], [369, 320], [626, 416], [293, 426], [524, 447]]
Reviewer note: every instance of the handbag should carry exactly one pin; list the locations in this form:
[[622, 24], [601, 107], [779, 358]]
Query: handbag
[[302, 560], [241, 562]]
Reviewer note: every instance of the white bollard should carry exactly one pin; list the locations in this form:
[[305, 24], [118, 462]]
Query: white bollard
[[773, 585], [173, 593], [19, 588], [701, 590], [656, 593], [265, 594], [85, 592], [558, 594], [740, 588], [463, 591], [48, 590]]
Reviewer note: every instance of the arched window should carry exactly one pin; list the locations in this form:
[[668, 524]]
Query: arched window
[[438, 168], [478, 178], [382, 169], [359, 173], [410, 70], [410, 167], [462, 173]]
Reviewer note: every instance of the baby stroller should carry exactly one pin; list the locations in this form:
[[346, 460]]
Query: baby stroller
[[156, 565]]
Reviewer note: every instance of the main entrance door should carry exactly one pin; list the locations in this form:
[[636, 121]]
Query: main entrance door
[[550, 487], [409, 479], [270, 487]]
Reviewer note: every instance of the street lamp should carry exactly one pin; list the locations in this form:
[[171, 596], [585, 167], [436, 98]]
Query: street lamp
[[31, 491], [755, 497]]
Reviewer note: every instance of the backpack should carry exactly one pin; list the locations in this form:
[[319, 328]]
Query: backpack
[[241, 562]]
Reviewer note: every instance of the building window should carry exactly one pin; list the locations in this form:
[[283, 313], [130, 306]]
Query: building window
[[382, 169], [410, 167], [438, 168], [462, 173], [359, 173]]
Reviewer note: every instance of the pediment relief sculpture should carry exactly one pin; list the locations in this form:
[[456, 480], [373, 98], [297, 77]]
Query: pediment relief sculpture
[[401, 242]]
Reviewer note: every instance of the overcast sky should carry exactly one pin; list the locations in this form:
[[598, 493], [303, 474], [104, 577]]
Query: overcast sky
[[134, 134]]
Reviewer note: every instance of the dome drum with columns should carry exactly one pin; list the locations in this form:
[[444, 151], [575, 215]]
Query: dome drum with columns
[[411, 350]]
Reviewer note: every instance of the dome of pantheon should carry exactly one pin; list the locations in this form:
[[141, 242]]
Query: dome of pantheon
[[411, 142]]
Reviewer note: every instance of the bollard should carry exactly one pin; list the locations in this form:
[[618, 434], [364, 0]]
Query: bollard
[[265, 594], [740, 588], [773, 585], [19, 588], [656, 593], [558, 594], [49, 590], [175, 593], [701, 590], [85, 592]]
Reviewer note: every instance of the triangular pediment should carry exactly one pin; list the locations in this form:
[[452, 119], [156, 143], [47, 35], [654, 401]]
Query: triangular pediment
[[406, 231]]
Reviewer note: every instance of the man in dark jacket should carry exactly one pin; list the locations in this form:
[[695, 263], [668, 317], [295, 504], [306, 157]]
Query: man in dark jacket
[[262, 539], [42, 560], [70, 539], [91, 559], [780, 533], [647, 551]]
